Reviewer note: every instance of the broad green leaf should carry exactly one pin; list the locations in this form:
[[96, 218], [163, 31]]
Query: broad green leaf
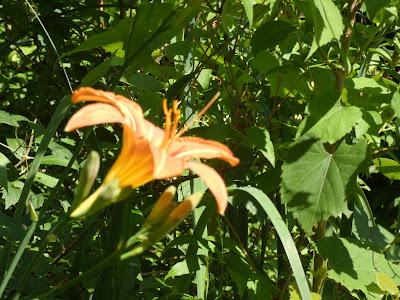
[[354, 266], [4, 161], [314, 181], [45, 179], [335, 123], [60, 151], [365, 93], [264, 62], [328, 23], [270, 210], [270, 34], [12, 193], [175, 90], [12, 120], [204, 78], [17, 145], [259, 137], [294, 294], [388, 167], [287, 81], [152, 283], [323, 80], [142, 82], [248, 8], [58, 161]]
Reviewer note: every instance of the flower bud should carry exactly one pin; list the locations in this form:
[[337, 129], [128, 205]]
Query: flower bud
[[87, 176], [162, 208], [32, 212], [170, 218]]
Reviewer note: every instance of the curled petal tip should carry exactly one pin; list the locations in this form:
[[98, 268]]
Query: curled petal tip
[[234, 161]]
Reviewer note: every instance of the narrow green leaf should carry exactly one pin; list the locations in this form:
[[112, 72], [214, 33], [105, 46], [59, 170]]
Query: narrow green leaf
[[388, 167], [248, 8], [284, 234], [187, 266], [104, 39]]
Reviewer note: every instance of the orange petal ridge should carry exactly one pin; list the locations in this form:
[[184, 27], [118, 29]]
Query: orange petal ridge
[[194, 147]]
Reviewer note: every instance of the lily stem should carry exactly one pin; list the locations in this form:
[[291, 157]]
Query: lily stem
[[320, 267], [116, 257]]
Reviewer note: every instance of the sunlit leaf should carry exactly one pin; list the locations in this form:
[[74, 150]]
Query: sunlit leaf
[[314, 181]]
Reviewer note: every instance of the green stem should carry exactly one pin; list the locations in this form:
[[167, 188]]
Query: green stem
[[17, 257], [320, 267], [116, 257]]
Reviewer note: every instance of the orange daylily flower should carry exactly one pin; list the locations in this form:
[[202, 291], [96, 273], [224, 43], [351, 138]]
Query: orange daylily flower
[[148, 152]]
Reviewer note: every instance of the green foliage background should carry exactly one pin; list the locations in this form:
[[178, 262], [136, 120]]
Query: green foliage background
[[310, 103]]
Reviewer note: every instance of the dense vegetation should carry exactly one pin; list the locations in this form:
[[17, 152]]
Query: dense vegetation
[[306, 96]]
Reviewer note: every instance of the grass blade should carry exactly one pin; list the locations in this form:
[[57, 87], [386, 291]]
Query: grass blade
[[290, 248], [61, 110]]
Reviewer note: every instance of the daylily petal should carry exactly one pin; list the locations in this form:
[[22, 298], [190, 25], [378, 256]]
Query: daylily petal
[[166, 166], [138, 170], [153, 133], [134, 165], [214, 182], [94, 114], [132, 111], [194, 147], [91, 94]]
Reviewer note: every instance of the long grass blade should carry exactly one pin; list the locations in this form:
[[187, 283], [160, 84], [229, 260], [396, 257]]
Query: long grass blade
[[288, 244]]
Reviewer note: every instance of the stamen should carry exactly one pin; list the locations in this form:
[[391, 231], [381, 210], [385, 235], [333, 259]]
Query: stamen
[[198, 115], [165, 106], [176, 117], [167, 125]]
